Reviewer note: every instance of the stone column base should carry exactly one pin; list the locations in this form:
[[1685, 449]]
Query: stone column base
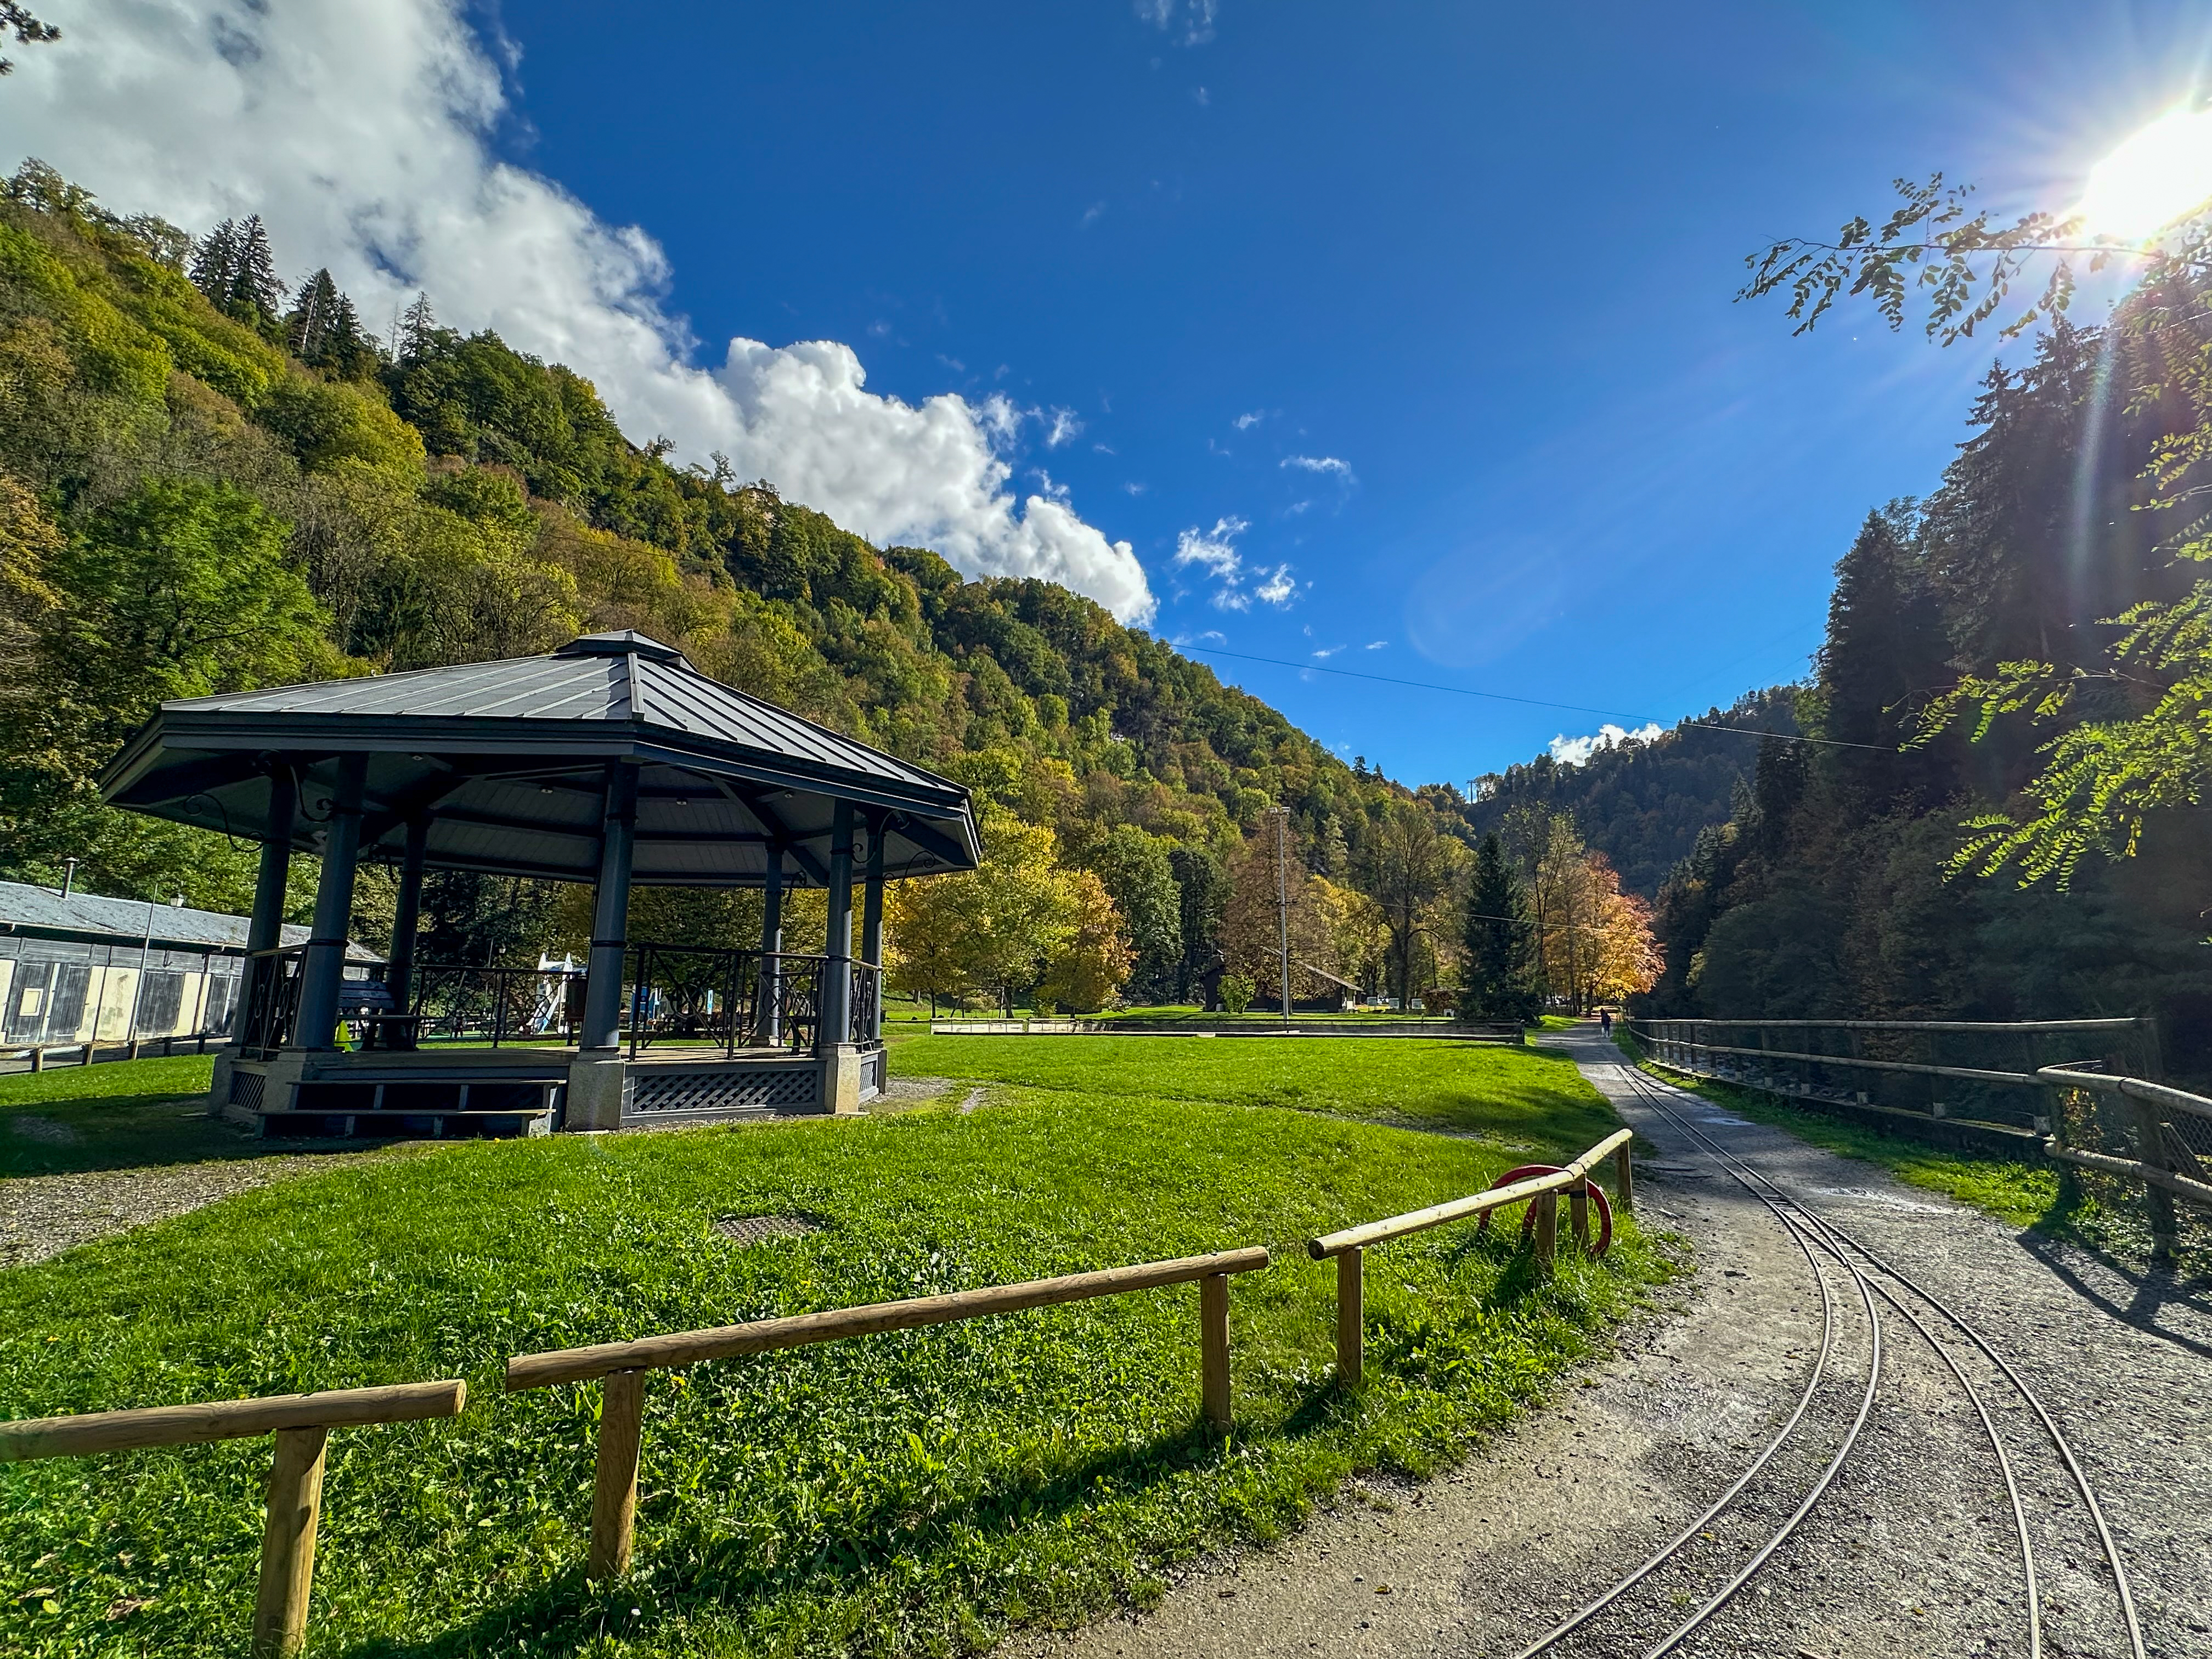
[[598, 1087], [841, 1078]]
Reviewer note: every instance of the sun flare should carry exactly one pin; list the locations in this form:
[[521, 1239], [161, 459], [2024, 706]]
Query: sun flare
[[2157, 176]]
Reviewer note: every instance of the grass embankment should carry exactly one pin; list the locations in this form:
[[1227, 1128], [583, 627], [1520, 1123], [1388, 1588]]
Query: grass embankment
[[2019, 1194], [1534, 1097], [912, 1493], [124, 1113]]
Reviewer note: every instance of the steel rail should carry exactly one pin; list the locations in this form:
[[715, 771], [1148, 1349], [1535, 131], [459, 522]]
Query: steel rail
[[1576, 1621], [2034, 1402], [1648, 1093], [1719, 1598], [2064, 1449]]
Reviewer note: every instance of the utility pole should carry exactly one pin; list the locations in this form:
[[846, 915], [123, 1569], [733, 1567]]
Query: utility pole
[[1283, 899]]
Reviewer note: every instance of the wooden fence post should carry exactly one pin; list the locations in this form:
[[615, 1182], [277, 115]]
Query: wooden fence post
[[1547, 1230], [614, 1494], [2150, 1142], [1350, 1318], [1213, 1341], [1579, 1215], [288, 1543], [1624, 1179]]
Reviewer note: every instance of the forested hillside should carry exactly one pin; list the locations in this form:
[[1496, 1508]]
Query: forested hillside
[[1827, 892], [1644, 804], [210, 479]]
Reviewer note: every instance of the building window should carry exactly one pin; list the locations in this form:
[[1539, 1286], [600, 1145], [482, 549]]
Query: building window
[[160, 999], [46, 1004], [221, 1001]]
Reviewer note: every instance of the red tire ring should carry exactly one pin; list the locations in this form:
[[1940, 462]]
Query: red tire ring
[[1596, 1194]]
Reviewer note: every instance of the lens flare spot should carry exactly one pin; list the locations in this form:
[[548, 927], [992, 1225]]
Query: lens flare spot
[[2163, 173]]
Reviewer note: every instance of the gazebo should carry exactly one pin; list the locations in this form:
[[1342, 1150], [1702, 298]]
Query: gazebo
[[611, 760]]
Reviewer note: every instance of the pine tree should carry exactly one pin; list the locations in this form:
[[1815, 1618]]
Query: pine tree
[[215, 263], [416, 324], [1886, 656], [314, 315], [1500, 974], [256, 295], [28, 27], [348, 351]]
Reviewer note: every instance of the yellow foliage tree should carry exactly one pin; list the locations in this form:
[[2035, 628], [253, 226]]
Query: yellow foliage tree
[[1091, 968], [1008, 927]]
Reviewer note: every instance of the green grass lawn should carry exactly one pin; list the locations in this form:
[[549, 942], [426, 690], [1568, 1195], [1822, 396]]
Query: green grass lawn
[[908, 1493], [123, 1114], [1530, 1097]]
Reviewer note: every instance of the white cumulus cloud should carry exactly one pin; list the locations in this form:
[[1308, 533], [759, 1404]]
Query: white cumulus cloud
[[359, 131], [1573, 752], [1215, 549], [1319, 463]]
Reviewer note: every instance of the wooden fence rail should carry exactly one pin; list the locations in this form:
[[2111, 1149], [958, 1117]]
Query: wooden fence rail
[[301, 1424], [1350, 1246], [2165, 1165], [623, 1364]]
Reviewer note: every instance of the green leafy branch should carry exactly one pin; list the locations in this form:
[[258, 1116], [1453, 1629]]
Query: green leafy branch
[[1967, 264], [2104, 776]]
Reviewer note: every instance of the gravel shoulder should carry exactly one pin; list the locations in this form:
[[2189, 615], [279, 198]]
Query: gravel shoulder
[[43, 1215], [1911, 1553]]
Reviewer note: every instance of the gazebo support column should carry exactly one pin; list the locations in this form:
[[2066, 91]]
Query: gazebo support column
[[265, 931], [871, 924], [840, 1057], [769, 1020], [407, 917], [596, 1080], [323, 966]]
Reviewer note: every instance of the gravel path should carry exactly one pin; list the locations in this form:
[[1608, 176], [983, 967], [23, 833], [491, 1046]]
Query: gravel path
[[43, 1215], [1911, 1553]]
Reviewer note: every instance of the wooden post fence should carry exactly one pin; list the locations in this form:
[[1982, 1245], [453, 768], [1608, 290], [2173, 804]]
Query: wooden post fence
[[623, 1364], [2164, 1164], [301, 1424], [1349, 1247]]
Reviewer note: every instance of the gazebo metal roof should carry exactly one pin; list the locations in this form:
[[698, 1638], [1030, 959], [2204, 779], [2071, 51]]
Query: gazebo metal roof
[[504, 761]]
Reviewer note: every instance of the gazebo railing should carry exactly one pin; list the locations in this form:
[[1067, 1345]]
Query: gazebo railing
[[712, 996], [453, 1003], [692, 995], [272, 998]]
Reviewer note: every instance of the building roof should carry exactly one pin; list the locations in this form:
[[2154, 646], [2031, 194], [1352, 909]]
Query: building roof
[[506, 762], [29, 909]]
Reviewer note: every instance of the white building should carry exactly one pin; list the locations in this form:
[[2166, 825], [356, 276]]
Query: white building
[[84, 968]]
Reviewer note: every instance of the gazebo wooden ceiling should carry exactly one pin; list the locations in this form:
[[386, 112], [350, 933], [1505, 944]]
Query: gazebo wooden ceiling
[[504, 764]]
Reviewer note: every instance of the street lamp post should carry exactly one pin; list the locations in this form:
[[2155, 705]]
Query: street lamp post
[[1282, 816]]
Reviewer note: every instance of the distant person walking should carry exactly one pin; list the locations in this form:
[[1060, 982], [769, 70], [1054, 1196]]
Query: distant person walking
[[1605, 1020]]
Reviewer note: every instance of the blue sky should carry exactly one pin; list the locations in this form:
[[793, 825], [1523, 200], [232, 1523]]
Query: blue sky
[[1410, 327], [1483, 257]]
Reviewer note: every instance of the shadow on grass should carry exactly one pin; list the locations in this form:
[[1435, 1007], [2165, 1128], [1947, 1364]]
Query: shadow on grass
[[131, 1132], [688, 1573]]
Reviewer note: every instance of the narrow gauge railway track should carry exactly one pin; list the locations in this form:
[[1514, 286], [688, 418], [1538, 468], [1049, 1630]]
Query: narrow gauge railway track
[[1822, 1240]]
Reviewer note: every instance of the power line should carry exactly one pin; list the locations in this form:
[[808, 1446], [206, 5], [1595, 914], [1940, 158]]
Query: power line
[[1533, 703]]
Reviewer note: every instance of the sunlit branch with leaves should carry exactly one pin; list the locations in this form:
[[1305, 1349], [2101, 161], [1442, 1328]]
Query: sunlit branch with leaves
[[1965, 265], [2145, 742], [2104, 776]]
